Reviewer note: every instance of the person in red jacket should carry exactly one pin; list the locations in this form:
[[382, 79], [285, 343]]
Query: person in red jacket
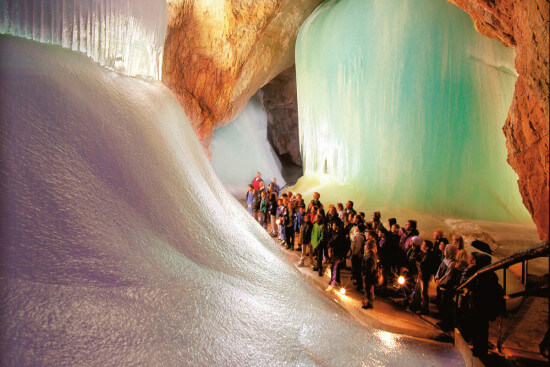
[[256, 181]]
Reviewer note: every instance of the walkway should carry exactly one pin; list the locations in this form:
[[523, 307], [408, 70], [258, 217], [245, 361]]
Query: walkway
[[390, 315]]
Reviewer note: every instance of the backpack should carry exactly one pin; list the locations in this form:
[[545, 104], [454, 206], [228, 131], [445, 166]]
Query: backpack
[[489, 299], [497, 303]]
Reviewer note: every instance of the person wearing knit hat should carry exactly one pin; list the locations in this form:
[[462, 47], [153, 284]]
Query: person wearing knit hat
[[446, 279]]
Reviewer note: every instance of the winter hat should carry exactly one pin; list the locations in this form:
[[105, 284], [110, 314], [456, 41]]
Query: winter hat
[[416, 240]]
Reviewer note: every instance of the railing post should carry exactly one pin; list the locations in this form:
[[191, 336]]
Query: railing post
[[499, 339], [526, 270], [523, 272]]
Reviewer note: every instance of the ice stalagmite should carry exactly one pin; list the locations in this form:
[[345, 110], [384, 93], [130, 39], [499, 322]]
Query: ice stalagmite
[[403, 102], [123, 35], [241, 149]]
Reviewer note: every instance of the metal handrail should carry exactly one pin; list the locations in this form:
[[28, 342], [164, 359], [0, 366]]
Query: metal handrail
[[542, 249]]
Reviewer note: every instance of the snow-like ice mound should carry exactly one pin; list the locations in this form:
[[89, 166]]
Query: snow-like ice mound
[[121, 247], [241, 149]]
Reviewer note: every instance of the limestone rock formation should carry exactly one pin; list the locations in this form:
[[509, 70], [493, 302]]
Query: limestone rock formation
[[218, 53], [523, 24], [281, 104]]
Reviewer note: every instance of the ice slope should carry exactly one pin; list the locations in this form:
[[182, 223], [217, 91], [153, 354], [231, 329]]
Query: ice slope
[[241, 148], [121, 247], [122, 35]]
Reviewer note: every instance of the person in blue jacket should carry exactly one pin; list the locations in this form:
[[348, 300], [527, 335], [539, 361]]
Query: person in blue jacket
[[250, 198]]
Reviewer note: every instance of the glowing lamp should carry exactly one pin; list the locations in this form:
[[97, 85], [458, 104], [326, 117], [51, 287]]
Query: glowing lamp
[[278, 221], [401, 280], [343, 290]]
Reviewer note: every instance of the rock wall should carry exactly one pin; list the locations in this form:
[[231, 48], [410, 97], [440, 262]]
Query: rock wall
[[218, 53], [523, 24], [281, 104]]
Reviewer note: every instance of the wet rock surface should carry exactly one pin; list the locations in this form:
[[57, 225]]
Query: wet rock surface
[[280, 102], [216, 56], [524, 25]]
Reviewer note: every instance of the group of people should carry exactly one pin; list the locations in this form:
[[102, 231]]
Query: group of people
[[379, 253]]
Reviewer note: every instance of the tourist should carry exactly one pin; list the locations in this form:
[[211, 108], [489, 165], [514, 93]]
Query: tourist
[[424, 265], [339, 247], [387, 256], [332, 215], [354, 230], [288, 221], [446, 279], [280, 213], [316, 203], [318, 239], [370, 273], [300, 201], [340, 210], [273, 214], [461, 254], [349, 208], [264, 205], [250, 198], [256, 181], [357, 247], [256, 204], [439, 243], [346, 227], [486, 302], [305, 241], [391, 222], [273, 186], [300, 212], [407, 233]]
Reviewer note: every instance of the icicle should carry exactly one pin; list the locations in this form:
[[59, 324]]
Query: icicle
[[122, 35], [405, 101]]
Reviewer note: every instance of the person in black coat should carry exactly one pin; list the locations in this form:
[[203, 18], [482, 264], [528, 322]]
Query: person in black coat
[[370, 273], [273, 214], [475, 315], [305, 241], [424, 264], [339, 248]]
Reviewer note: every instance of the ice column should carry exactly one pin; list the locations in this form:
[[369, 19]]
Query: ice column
[[122, 35], [404, 101]]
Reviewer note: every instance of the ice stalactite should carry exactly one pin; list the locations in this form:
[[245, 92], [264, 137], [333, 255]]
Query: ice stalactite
[[123, 35], [241, 148], [405, 102]]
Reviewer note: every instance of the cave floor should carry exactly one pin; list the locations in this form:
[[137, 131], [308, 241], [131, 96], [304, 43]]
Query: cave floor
[[521, 330]]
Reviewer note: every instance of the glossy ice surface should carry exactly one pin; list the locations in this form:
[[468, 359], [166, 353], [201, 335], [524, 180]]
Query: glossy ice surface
[[241, 148], [121, 247], [122, 35], [404, 101]]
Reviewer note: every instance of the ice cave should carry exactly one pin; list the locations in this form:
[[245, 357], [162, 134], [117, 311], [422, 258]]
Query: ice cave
[[132, 128]]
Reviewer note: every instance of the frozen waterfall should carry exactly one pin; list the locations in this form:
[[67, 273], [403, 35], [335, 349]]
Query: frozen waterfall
[[121, 247], [241, 148], [401, 104], [123, 35]]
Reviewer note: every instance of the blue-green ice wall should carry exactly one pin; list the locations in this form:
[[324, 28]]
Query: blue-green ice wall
[[405, 101]]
